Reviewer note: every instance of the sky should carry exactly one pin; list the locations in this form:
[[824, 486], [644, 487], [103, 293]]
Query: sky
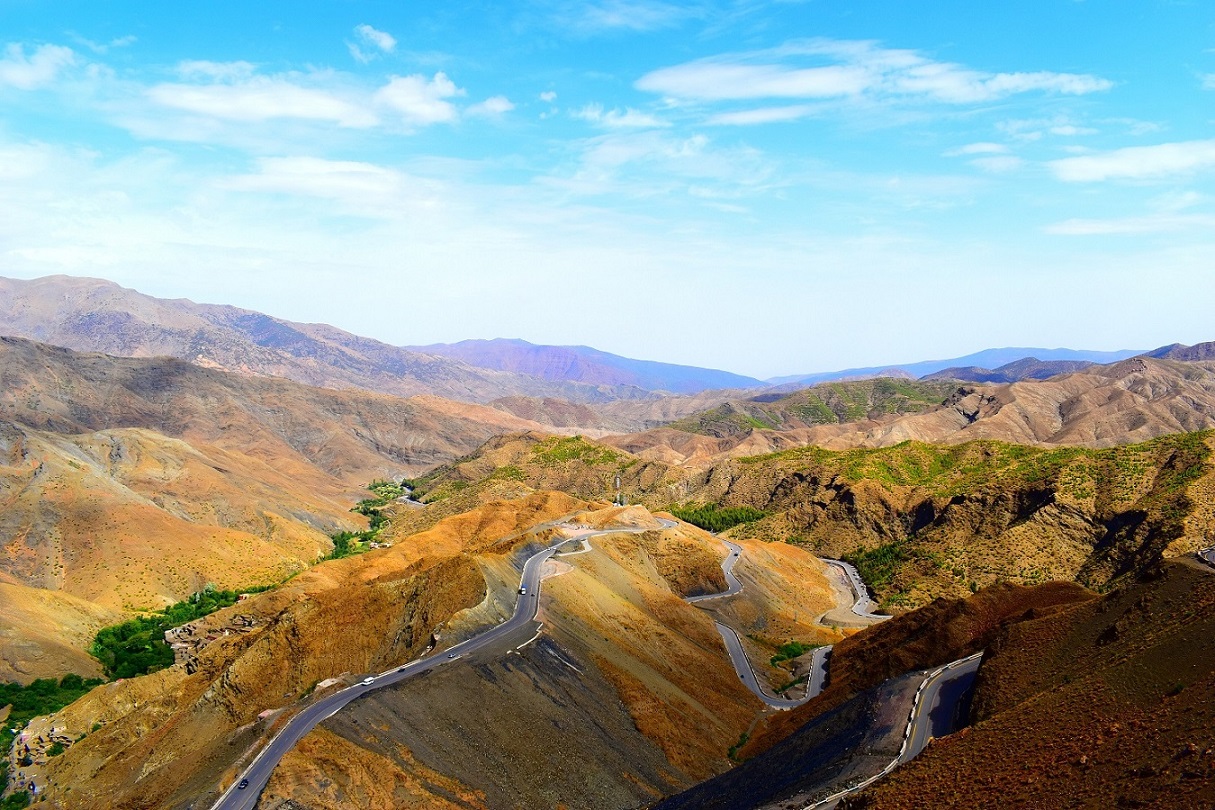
[[765, 187]]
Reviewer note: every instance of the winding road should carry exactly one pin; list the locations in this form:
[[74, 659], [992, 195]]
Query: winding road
[[934, 713], [257, 774]]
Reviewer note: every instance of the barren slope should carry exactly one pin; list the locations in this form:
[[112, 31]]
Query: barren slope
[[1101, 406], [626, 696], [167, 737], [93, 315], [1104, 705]]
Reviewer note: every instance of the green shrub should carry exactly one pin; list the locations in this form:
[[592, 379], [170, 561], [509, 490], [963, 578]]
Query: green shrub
[[716, 518]]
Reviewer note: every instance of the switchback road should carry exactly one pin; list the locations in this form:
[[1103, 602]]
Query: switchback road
[[258, 773]]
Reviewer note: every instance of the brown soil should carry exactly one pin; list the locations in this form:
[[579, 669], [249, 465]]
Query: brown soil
[[1106, 704]]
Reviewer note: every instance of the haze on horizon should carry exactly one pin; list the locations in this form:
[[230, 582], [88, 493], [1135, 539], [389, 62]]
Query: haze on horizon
[[764, 187]]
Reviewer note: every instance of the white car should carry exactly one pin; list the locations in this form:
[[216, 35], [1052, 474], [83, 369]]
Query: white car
[[369, 681], [523, 591]]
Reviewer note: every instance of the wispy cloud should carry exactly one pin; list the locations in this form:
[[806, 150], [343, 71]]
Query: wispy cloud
[[238, 95], [628, 15], [1133, 226], [373, 39], [983, 148], [843, 69], [549, 96], [761, 115], [1138, 162], [39, 68], [491, 107], [618, 119]]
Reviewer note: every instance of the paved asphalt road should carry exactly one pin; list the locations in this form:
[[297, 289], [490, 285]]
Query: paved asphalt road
[[1207, 555], [738, 657], [258, 773], [933, 714], [863, 603]]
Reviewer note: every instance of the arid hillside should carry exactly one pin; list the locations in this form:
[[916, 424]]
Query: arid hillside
[[93, 315], [352, 435], [919, 520], [626, 679], [1101, 406], [790, 755], [132, 483], [1106, 704]]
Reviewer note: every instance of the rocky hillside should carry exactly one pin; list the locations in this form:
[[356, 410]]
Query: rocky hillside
[[921, 521], [793, 756], [1101, 406], [130, 483], [1103, 705], [92, 315], [627, 681]]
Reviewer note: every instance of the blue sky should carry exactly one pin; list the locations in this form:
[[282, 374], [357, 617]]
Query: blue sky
[[768, 187]]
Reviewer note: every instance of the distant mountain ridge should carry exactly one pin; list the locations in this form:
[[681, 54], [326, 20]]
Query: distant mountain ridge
[[1029, 368], [586, 365], [986, 359], [93, 315]]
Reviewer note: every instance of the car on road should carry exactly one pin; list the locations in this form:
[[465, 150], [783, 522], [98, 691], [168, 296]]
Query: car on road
[[369, 680], [244, 783], [523, 591], [451, 655]]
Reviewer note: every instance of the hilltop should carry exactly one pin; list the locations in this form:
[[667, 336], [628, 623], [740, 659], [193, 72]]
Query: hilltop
[[92, 315], [921, 521], [1100, 406]]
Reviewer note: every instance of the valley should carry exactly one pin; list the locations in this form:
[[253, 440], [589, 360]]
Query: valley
[[512, 634]]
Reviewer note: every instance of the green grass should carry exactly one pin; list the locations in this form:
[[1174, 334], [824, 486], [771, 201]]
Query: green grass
[[716, 518]]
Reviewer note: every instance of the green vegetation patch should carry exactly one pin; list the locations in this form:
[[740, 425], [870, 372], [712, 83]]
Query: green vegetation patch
[[573, 448], [137, 646], [43, 696], [877, 566], [790, 650], [1165, 465], [347, 543], [715, 518]]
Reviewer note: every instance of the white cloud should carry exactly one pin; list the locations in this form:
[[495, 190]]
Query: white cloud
[[36, 70], [1208, 81], [998, 164], [710, 80], [849, 69], [549, 96], [983, 148], [421, 101], [215, 71], [370, 38], [105, 47], [1138, 162], [615, 119], [380, 39], [491, 107], [333, 179], [762, 115], [1068, 130], [260, 98], [632, 15]]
